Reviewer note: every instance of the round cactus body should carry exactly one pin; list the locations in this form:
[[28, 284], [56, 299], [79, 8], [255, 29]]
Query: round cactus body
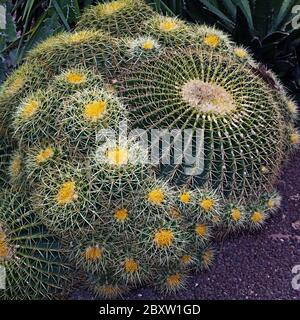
[[119, 17], [123, 219], [244, 130], [33, 260]]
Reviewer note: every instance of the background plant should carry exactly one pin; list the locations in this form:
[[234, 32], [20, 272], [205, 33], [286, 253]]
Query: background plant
[[29, 22]]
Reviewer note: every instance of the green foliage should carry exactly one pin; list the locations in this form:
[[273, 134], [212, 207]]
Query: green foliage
[[8, 34], [262, 18], [37, 20]]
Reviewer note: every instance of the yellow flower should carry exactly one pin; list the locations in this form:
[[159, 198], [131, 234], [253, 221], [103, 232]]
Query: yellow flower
[[93, 253], [271, 203], [168, 26], [292, 107], [236, 214], [156, 196], [274, 202], [113, 7], [264, 169], [148, 45], [207, 257], [94, 110], [4, 250], [29, 109], [185, 197], [175, 213], [186, 259], [16, 85], [110, 88], [75, 77], [295, 138], [174, 280], [109, 291], [44, 155], [118, 156], [164, 238], [80, 37], [207, 204], [121, 214], [240, 53], [131, 266], [212, 40], [201, 229], [257, 217], [216, 218], [67, 193], [15, 166]]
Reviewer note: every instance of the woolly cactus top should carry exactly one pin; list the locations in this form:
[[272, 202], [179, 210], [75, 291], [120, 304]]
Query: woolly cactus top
[[121, 220]]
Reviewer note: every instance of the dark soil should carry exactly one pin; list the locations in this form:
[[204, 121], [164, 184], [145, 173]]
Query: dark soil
[[249, 266]]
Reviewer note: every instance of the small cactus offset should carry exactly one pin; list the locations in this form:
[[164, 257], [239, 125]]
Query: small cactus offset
[[118, 17], [122, 219], [168, 30]]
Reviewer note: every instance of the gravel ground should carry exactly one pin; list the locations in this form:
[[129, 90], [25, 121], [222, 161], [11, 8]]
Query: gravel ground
[[251, 266]]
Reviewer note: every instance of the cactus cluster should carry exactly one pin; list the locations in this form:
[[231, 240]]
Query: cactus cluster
[[35, 262], [118, 218]]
